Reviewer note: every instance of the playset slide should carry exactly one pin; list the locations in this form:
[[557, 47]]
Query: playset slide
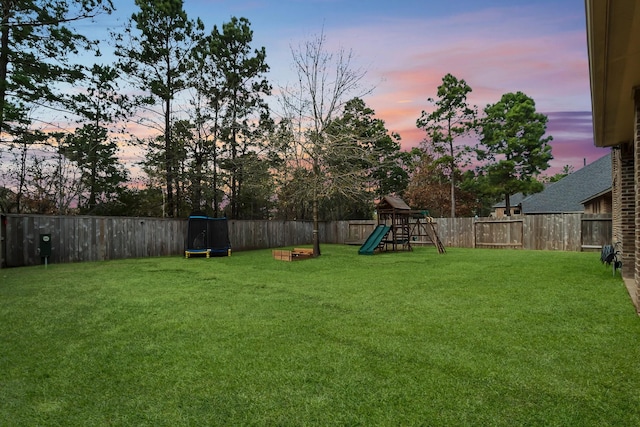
[[374, 240]]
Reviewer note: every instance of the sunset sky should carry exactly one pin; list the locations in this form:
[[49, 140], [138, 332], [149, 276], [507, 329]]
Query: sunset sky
[[407, 46]]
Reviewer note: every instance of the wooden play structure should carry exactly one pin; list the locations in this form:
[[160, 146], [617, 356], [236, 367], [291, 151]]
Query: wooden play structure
[[400, 227], [297, 254]]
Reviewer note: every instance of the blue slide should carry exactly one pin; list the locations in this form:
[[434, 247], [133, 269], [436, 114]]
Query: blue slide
[[374, 239]]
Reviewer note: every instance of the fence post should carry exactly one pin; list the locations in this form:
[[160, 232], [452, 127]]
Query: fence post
[[474, 229]]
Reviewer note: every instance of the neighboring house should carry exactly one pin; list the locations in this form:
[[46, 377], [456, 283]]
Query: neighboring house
[[613, 34], [515, 201], [599, 203], [568, 194], [587, 190]]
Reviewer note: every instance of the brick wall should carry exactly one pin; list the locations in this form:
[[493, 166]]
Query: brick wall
[[626, 232], [636, 187], [616, 195]]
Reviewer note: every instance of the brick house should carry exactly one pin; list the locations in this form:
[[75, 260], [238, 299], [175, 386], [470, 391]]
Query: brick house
[[613, 42], [600, 203]]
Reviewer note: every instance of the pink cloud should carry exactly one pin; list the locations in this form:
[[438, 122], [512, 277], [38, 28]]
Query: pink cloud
[[496, 50]]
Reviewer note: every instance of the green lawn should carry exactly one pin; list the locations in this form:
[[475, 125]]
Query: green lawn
[[468, 338]]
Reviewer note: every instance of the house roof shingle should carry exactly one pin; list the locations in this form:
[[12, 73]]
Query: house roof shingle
[[567, 194]]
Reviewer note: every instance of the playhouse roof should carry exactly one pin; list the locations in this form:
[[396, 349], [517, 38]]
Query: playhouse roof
[[393, 202]]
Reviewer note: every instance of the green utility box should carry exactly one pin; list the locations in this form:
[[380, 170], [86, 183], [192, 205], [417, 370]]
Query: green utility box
[[45, 245]]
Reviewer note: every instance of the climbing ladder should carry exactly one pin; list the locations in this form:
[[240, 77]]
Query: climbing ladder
[[423, 226], [433, 235]]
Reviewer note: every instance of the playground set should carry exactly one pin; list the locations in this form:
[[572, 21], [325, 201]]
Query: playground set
[[207, 236], [399, 227]]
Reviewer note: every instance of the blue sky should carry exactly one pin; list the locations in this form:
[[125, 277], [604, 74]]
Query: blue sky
[[407, 46]]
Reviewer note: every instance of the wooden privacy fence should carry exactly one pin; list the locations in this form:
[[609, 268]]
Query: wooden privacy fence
[[90, 238], [567, 232], [564, 232]]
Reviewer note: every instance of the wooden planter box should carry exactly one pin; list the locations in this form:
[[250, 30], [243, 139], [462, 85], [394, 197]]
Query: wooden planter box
[[296, 254]]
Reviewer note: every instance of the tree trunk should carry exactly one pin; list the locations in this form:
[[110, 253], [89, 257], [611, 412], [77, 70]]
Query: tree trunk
[[453, 198], [316, 222], [22, 178], [168, 158], [507, 202], [452, 167], [4, 59], [215, 181], [93, 162]]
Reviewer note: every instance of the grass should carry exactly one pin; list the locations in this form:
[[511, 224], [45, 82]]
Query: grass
[[472, 337]]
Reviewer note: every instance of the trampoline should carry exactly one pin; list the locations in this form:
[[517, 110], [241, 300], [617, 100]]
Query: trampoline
[[207, 236]]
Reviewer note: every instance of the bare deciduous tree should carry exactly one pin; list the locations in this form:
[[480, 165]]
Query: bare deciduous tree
[[329, 161]]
